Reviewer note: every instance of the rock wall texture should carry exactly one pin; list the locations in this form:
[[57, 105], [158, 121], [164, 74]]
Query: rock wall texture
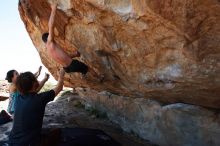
[[170, 125], [167, 50]]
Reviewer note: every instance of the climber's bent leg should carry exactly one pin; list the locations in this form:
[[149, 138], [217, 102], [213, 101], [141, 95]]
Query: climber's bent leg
[[76, 66]]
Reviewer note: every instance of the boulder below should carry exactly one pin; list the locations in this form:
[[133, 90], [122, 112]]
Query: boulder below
[[170, 125]]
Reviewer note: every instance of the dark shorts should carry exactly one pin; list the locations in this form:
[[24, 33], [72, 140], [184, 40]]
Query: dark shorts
[[76, 66]]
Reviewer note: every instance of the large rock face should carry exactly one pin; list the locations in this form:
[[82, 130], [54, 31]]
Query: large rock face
[[168, 50]]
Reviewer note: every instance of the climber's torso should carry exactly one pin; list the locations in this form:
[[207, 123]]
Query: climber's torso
[[58, 54]]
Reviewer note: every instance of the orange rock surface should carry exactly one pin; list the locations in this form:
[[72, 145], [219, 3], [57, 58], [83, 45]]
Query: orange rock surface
[[167, 50]]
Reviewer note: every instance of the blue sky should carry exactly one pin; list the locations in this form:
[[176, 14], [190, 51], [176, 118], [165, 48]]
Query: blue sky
[[16, 48]]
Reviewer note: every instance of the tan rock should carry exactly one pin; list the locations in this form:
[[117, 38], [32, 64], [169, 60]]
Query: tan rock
[[161, 49]]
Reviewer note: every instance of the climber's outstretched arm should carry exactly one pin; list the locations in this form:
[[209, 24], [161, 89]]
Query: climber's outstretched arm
[[51, 22]]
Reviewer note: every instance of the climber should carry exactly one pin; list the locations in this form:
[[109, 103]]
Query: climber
[[60, 56]]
